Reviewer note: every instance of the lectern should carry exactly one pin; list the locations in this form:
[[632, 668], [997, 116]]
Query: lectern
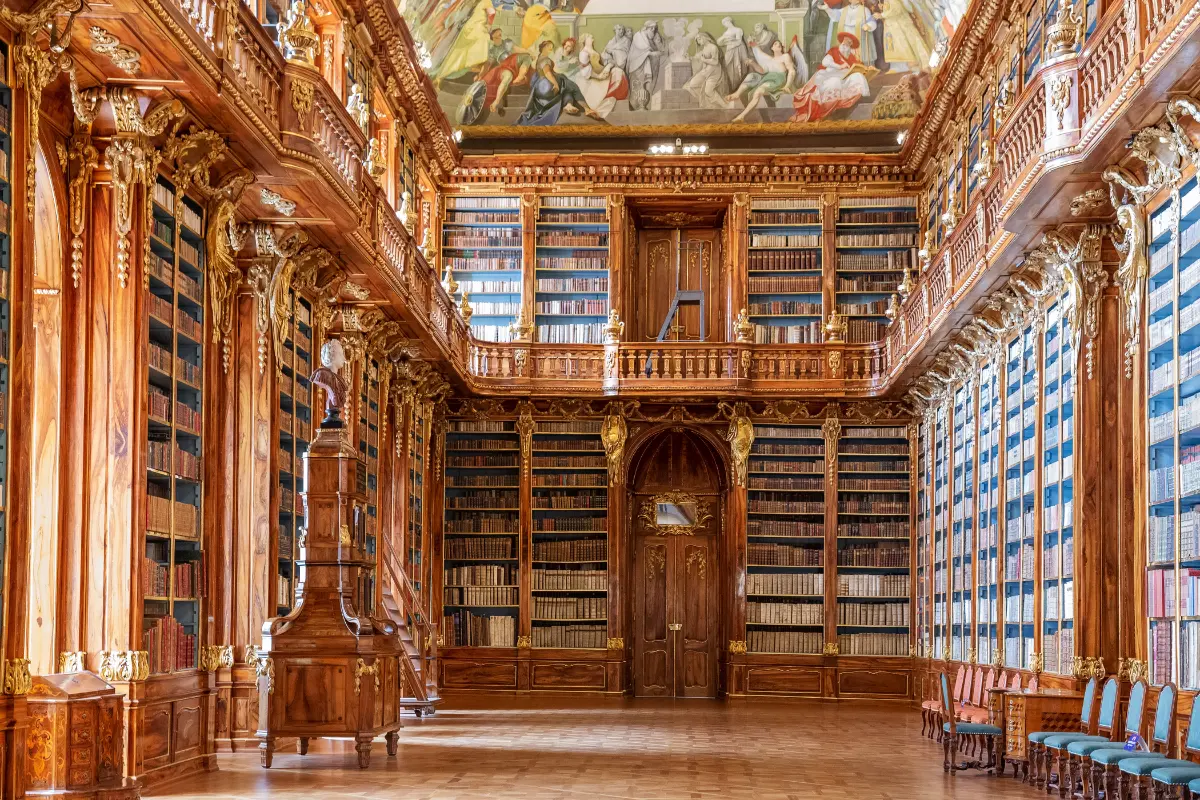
[[328, 668]]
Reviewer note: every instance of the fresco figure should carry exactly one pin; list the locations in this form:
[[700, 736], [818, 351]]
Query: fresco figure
[[816, 36], [470, 48], [735, 53], [840, 83], [566, 62], [551, 96], [600, 79], [853, 18], [507, 66], [904, 42], [708, 84], [645, 65], [774, 75], [764, 38]]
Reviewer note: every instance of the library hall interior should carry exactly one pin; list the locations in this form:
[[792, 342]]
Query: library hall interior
[[600, 399]]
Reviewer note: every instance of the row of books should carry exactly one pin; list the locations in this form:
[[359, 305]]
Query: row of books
[[884, 554], [483, 237], [168, 645], [786, 613], [873, 484], [877, 217], [784, 527], [491, 461], [813, 484], [570, 608], [873, 585], [480, 480], [571, 501], [571, 550], [158, 517], [159, 456], [874, 614], [581, 261], [888, 529], [470, 218], [478, 263], [584, 636], [481, 596], [897, 465], [850, 309], [569, 462], [484, 499], [782, 555], [575, 239], [484, 203], [572, 333], [471, 548], [785, 308], [880, 239], [570, 524], [809, 333], [794, 642], [866, 285], [864, 331], [785, 284], [490, 309], [573, 479], [284, 597], [786, 507], [458, 444], [481, 575], [783, 260], [591, 285], [758, 217], [571, 580], [873, 644], [892, 261], [464, 629], [785, 583]]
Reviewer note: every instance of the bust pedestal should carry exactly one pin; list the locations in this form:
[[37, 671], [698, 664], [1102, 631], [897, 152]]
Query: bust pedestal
[[328, 669]]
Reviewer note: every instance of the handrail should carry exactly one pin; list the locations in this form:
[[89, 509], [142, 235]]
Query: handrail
[[424, 631]]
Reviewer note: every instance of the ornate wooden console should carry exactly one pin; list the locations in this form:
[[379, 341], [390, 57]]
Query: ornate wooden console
[[1020, 713], [328, 668]]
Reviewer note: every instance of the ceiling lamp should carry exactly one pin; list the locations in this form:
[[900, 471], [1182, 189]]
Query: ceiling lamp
[[696, 149]]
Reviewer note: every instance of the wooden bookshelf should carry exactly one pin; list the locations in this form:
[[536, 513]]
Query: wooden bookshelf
[[370, 407], [987, 560], [6, 262], [873, 541], [482, 247], [481, 535], [962, 522], [785, 283], [785, 535], [877, 240], [923, 538], [173, 560], [1173, 442], [940, 548], [569, 588], [418, 433], [295, 434], [1020, 515], [571, 274], [1058, 496]]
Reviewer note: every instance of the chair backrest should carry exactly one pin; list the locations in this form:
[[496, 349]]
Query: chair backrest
[[1108, 708], [1033, 684], [962, 678], [1135, 712], [989, 683], [1003, 683], [977, 689], [1192, 744], [947, 700], [1088, 712], [1162, 735]]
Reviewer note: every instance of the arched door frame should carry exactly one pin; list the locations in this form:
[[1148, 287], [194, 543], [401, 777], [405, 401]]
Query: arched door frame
[[730, 547]]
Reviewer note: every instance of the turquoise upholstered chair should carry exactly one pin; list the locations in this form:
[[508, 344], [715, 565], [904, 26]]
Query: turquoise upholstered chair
[[1080, 752], [951, 730], [1114, 768], [1054, 746], [1170, 772], [1035, 748]]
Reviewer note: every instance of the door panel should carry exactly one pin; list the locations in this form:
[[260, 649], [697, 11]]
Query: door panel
[[696, 252], [651, 639], [674, 616], [696, 601]]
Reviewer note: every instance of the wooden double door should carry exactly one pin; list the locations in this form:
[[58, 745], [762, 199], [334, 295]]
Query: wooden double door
[[675, 615]]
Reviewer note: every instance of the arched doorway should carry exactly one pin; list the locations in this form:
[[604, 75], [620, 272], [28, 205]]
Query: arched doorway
[[676, 504]]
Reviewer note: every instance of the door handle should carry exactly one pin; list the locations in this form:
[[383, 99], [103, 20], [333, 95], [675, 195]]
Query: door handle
[[675, 626]]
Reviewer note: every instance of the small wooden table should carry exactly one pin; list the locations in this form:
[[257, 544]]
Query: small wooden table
[[1018, 712]]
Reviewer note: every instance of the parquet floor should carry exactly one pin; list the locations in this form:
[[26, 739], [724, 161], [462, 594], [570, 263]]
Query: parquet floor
[[574, 749]]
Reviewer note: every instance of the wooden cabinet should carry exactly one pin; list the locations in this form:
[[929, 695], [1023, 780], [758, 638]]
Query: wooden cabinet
[[73, 745]]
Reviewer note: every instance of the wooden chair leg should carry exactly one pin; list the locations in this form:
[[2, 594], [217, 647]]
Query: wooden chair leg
[[946, 753], [1066, 778], [1034, 753]]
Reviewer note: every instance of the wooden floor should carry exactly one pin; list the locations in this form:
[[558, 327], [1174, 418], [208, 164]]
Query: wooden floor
[[568, 748]]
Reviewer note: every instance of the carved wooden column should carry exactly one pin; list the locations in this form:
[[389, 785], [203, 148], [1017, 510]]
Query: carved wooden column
[[250, 582], [829, 216], [832, 431], [529, 215], [619, 249], [737, 263], [525, 428], [732, 650], [614, 432]]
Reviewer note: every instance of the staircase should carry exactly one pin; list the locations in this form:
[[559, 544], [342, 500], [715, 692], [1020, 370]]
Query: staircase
[[418, 636]]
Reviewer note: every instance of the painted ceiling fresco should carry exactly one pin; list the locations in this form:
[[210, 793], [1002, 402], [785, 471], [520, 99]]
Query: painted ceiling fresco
[[520, 68]]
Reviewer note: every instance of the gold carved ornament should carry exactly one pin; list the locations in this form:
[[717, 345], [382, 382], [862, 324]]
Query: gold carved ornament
[[524, 642], [362, 669], [264, 667], [740, 436], [649, 514], [737, 647], [831, 649], [616, 643], [613, 433], [72, 661], [17, 680]]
